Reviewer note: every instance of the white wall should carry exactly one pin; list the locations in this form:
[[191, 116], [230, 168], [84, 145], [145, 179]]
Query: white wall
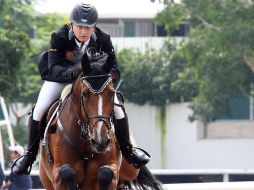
[[183, 148]]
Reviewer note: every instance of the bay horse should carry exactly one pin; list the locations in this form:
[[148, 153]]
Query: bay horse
[[80, 150]]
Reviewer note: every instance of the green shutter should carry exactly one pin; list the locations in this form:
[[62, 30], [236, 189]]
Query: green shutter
[[129, 29], [239, 109]]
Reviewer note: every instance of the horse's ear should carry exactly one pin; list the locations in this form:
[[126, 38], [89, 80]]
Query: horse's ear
[[85, 64], [109, 62]]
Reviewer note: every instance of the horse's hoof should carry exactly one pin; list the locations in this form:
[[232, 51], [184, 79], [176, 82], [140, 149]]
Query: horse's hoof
[[67, 173], [105, 176]]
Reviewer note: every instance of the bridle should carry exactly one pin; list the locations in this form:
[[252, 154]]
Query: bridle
[[85, 119]]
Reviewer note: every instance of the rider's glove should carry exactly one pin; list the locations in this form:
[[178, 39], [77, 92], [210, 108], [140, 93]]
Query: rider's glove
[[76, 71], [115, 75]]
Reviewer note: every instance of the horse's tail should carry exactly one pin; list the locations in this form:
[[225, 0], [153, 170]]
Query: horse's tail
[[145, 181]]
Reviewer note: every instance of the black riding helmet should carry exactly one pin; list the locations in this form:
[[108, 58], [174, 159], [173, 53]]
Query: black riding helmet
[[84, 15]]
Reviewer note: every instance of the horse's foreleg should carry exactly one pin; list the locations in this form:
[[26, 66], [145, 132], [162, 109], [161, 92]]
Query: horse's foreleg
[[45, 170], [105, 177], [67, 175], [45, 179]]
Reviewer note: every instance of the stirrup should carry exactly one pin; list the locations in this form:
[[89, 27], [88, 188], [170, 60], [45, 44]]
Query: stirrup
[[146, 153], [132, 161], [28, 171]]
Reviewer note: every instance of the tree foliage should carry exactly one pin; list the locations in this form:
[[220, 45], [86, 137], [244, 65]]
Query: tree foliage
[[20, 12], [19, 60], [219, 39], [47, 23], [15, 29], [28, 81], [149, 77], [140, 75], [19, 81], [14, 44]]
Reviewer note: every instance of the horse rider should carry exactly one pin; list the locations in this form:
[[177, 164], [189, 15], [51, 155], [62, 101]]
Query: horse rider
[[59, 66]]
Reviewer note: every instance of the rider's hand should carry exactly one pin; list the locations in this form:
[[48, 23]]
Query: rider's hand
[[115, 75], [6, 185], [76, 72]]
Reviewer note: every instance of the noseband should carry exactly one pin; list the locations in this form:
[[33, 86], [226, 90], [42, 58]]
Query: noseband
[[86, 129]]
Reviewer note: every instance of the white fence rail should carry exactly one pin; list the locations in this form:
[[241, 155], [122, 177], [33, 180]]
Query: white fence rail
[[225, 173], [211, 186], [224, 185], [141, 43], [208, 186]]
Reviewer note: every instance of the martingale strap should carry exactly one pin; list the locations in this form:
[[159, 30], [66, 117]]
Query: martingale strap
[[60, 126], [85, 157], [96, 83]]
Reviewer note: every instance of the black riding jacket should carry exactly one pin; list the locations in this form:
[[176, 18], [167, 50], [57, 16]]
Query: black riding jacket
[[59, 62]]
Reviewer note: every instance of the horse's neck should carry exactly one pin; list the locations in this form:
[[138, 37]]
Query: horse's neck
[[76, 93]]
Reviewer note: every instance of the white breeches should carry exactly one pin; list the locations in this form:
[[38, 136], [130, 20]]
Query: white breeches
[[51, 91]]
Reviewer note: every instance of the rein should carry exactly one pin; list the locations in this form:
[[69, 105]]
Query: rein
[[85, 157], [84, 123], [85, 128]]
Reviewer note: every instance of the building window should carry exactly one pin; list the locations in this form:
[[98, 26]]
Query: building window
[[182, 30], [240, 108], [145, 28], [129, 29], [161, 31], [113, 29]]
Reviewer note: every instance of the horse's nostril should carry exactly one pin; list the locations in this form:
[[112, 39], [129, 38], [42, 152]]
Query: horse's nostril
[[107, 142]]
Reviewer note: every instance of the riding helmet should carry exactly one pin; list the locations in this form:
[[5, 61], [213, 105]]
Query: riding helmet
[[84, 15]]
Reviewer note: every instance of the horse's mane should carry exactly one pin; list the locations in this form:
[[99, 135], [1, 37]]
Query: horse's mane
[[96, 74], [99, 67]]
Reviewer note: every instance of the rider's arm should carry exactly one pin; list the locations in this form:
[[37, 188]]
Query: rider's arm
[[58, 71], [109, 48]]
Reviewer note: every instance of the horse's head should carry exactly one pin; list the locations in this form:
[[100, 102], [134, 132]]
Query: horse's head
[[97, 99]]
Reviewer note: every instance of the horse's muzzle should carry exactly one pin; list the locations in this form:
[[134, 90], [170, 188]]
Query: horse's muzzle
[[100, 147]]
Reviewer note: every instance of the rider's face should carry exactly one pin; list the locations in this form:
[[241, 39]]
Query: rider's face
[[83, 33]]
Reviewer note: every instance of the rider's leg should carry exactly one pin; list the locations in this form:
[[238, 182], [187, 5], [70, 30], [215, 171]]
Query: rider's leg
[[136, 156], [49, 92]]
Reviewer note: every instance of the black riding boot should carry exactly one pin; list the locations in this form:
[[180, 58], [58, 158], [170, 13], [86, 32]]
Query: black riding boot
[[136, 156], [23, 164]]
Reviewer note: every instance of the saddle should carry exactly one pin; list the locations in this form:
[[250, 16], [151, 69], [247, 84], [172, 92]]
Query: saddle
[[49, 120]]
